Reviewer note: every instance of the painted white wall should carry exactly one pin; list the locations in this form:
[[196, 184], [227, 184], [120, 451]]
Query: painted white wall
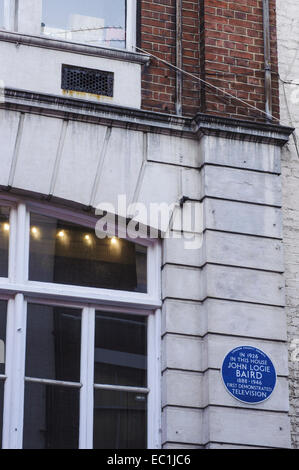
[[288, 54], [38, 69]]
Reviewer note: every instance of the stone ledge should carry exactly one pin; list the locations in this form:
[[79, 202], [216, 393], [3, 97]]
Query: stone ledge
[[75, 48], [235, 129], [147, 121]]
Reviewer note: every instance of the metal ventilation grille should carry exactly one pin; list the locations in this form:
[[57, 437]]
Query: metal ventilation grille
[[92, 81]]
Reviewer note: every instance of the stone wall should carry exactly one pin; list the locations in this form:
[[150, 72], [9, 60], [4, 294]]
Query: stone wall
[[228, 293], [288, 49]]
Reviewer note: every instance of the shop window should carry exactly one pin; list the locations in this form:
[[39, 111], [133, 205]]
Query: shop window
[[55, 375], [78, 319]]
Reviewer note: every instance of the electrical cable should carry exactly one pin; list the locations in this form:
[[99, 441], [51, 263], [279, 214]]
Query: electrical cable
[[225, 93], [207, 83]]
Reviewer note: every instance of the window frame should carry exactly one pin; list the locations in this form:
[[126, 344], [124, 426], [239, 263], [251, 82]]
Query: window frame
[[19, 291], [131, 25]]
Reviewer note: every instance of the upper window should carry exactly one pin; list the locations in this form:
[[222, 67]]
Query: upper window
[[95, 22]]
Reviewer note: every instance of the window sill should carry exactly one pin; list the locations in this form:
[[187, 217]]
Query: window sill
[[76, 48]]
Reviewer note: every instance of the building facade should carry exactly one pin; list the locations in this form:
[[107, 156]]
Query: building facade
[[117, 342], [288, 24]]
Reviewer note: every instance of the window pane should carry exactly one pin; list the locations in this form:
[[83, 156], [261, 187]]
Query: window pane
[[96, 22], [120, 420], [1, 409], [66, 253], [120, 350], [53, 343], [3, 310], [4, 240], [51, 417]]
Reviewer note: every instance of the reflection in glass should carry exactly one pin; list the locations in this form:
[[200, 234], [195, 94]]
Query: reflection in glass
[[99, 23], [51, 417], [120, 350], [3, 310], [53, 343], [66, 253], [4, 241], [119, 420]]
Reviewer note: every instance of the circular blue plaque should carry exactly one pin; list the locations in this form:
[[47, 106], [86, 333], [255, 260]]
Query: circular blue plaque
[[248, 374]]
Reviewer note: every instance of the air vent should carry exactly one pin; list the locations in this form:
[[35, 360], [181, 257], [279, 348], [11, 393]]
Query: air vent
[[84, 80]]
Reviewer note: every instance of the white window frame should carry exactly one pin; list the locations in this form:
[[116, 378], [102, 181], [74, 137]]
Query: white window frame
[[19, 291], [131, 25]]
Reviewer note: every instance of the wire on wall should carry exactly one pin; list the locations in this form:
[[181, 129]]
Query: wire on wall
[[214, 87]]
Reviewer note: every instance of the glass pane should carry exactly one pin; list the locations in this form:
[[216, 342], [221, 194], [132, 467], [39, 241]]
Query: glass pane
[[3, 310], [1, 13], [65, 253], [120, 349], [51, 417], [4, 240], [120, 420], [1, 409], [96, 22], [53, 343]]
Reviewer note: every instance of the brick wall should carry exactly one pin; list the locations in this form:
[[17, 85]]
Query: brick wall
[[158, 36], [222, 41]]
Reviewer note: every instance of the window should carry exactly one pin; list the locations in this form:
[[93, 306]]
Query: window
[[120, 360], [99, 23], [66, 253], [52, 354], [79, 317]]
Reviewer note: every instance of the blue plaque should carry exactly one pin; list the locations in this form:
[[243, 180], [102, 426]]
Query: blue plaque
[[248, 374]]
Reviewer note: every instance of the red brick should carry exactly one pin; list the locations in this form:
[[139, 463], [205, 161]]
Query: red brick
[[223, 42]]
